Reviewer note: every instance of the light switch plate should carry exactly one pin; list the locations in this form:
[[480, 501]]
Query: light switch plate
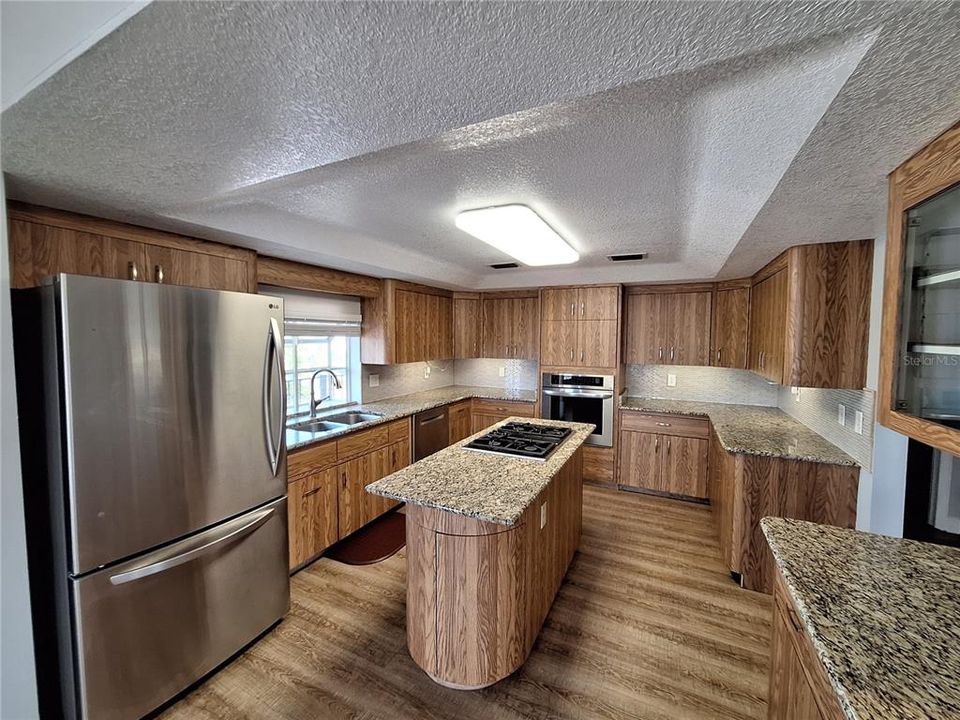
[[841, 414], [543, 516], [503, 371], [374, 381], [671, 380], [858, 422]]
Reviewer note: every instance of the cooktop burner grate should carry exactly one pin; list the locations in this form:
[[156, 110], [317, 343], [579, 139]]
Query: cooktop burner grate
[[527, 440]]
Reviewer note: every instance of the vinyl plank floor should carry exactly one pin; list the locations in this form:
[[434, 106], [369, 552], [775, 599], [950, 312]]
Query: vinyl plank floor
[[647, 625]]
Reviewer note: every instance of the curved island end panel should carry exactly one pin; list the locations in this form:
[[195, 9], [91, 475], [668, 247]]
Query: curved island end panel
[[489, 539]]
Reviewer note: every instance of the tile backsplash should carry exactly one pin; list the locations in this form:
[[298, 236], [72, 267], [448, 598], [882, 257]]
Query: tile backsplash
[[405, 379], [485, 372], [703, 384], [817, 409]]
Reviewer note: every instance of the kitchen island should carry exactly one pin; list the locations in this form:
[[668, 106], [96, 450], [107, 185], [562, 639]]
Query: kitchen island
[[489, 539]]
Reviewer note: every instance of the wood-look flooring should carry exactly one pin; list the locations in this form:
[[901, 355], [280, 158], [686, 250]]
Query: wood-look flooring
[[647, 624]]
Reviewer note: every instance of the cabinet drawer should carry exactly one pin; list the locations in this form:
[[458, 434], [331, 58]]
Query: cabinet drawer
[[362, 441], [310, 460], [503, 407], [663, 424], [398, 430]]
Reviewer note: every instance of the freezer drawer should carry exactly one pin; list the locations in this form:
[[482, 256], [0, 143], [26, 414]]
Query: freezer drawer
[[148, 628]]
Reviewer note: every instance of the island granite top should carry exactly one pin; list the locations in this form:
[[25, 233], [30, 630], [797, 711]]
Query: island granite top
[[883, 615], [484, 486], [404, 405], [751, 429]]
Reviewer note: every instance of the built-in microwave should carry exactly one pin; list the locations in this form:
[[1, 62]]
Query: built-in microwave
[[580, 398]]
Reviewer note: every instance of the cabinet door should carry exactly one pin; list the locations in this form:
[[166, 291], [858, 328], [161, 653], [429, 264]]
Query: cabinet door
[[481, 421], [312, 515], [183, 267], [558, 343], [597, 342], [496, 335], [640, 460], [683, 466], [644, 344], [38, 251], [560, 303], [686, 318], [768, 326], [525, 327], [459, 422], [791, 697], [598, 303], [357, 506], [466, 328], [731, 328]]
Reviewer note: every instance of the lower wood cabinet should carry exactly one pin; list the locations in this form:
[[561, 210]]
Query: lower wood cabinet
[[326, 494], [598, 464], [459, 421], [489, 412], [664, 453], [799, 688]]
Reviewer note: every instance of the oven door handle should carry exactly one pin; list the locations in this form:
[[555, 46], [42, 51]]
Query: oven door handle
[[578, 393]]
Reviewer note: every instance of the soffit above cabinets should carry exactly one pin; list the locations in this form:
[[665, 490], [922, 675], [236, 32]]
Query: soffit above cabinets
[[709, 136]]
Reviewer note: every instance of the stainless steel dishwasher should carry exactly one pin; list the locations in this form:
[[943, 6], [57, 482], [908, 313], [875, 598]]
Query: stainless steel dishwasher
[[430, 432]]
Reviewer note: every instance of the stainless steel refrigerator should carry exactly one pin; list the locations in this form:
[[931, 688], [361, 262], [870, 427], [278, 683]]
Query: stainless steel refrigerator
[[155, 482]]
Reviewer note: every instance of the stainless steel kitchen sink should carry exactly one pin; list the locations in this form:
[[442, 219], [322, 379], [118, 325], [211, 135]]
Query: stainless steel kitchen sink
[[353, 418], [318, 425]]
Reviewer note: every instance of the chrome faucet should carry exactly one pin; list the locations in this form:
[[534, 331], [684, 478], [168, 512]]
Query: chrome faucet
[[314, 403]]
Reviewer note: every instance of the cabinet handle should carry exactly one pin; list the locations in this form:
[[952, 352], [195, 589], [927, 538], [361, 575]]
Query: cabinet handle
[[158, 271], [312, 492], [573, 309], [656, 444], [794, 620], [132, 270], [672, 353], [582, 307], [761, 359], [343, 479], [581, 356], [571, 353], [718, 355], [660, 353], [668, 447], [663, 424]]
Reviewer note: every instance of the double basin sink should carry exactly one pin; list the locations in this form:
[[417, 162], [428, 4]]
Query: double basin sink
[[332, 423]]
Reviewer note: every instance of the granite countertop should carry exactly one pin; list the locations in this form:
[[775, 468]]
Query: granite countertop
[[883, 615], [751, 429], [404, 405], [494, 488]]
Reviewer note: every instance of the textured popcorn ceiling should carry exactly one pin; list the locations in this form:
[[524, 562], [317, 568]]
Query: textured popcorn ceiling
[[710, 136]]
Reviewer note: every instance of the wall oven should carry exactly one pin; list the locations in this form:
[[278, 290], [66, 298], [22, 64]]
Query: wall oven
[[580, 398]]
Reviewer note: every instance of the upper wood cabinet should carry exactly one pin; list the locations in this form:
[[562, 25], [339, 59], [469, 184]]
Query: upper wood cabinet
[[580, 327], [810, 313], [920, 341], [668, 327], [467, 326], [731, 326], [407, 323], [601, 302], [44, 242], [511, 323]]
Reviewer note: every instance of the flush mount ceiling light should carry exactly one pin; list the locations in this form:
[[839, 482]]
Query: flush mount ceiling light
[[519, 232]]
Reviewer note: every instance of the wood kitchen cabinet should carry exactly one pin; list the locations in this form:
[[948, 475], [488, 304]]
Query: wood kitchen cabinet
[[669, 328], [467, 326], [731, 326], [312, 522], [799, 687], [511, 323], [580, 327], [485, 413], [407, 323], [459, 421], [357, 507], [44, 242], [809, 317], [664, 453]]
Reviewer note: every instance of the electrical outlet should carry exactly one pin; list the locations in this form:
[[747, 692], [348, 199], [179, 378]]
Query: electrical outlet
[[858, 422], [503, 371], [543, 516], [841, 414], [671, 380], [796, 394], [374, 381], [426, 372], [794, 389]]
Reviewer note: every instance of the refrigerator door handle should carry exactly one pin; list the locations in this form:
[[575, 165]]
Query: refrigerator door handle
[[272, 358], [170, 557]]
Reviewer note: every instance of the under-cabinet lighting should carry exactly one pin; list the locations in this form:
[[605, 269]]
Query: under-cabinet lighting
[[519, 232]]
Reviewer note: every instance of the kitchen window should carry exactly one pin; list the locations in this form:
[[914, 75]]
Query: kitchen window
[[320, 332]]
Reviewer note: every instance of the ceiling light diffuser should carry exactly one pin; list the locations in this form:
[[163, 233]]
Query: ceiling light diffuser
[[519, 232]]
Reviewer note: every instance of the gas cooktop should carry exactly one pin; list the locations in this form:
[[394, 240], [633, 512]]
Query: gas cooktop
[[527, 440]]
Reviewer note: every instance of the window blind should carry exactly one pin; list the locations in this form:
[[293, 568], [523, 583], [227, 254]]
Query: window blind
[[307, 313]]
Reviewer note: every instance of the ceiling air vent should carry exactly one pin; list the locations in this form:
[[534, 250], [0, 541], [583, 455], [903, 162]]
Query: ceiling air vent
[[627, 257], [504, 266]]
